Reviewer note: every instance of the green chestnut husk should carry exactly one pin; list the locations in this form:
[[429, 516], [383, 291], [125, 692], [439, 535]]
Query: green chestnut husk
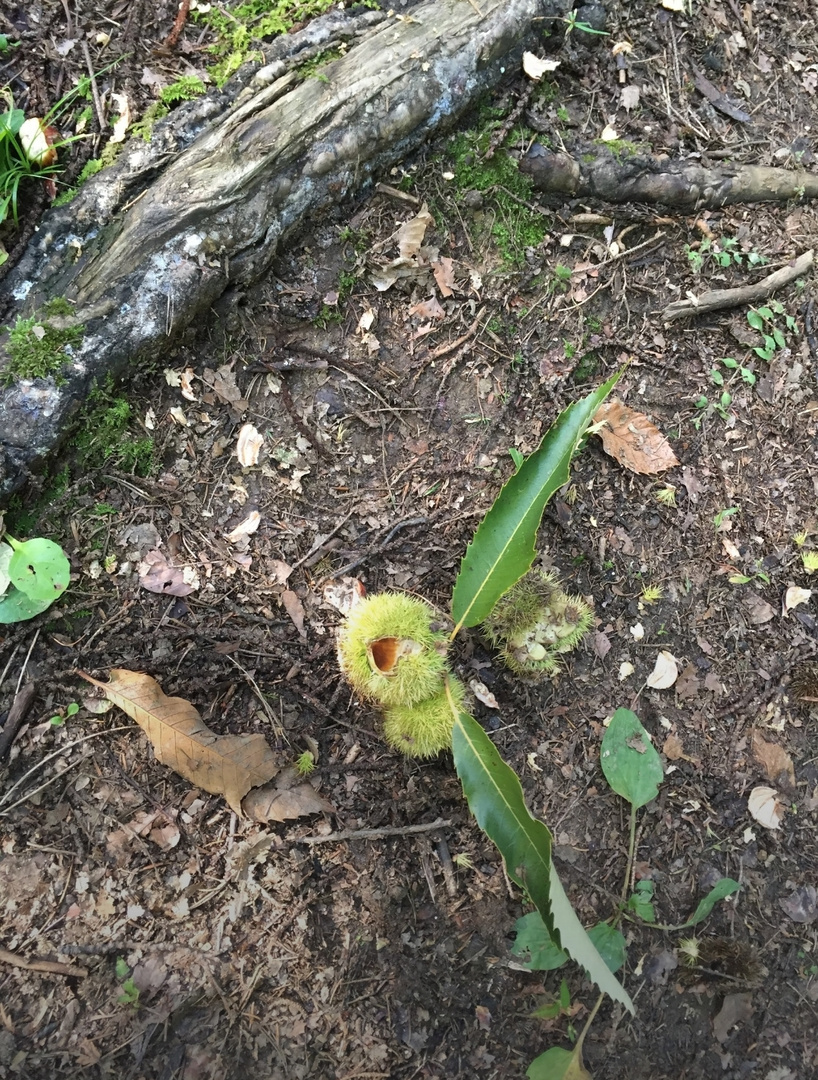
[[423, 730], [392, 650], [535, 622]]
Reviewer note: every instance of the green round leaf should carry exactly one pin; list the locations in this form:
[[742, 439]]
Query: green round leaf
[[5, 558], [558, 1064], [628, 758], [535, 944], [39, 569], [15, 606], [610, 944]]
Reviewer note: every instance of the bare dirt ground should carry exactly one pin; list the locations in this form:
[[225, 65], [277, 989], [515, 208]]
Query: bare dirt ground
[[386, 433]]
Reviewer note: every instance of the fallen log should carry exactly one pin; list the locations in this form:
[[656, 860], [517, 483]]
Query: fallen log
[[683, 185], [148, 245]]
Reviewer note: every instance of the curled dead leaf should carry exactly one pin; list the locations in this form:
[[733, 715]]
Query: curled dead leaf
[[794, 596], [630, 438], [665, 671], [244, 528], [285, 798], [765, 808], [535, 68], [248, 445]]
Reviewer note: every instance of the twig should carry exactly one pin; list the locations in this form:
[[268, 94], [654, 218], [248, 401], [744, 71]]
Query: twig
[[372, 834], [94, 88], [381, 547], [48, 757], [53, 967], [17, 714], [746, 294], [25, 662], [176, 29]]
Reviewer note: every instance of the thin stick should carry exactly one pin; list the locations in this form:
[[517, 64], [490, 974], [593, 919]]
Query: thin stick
[[25, 662], [372, 834], [48, 757], [17, 714], [53, 967], [746, 294], [94, 88]]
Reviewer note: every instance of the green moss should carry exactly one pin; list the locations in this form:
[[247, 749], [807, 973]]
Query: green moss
[[104, 435], [37, 348], [58, 305], [312, 68], [144, 126], [509, 222], [240, 31], [620, 148]]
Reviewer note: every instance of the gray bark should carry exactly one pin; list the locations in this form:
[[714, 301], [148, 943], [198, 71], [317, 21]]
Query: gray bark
[[683, 185], [151, 243]]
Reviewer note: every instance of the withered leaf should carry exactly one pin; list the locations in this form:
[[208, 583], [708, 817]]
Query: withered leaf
[[443, 270], [295, 609], [410, 235], [774, 759], [157, 575], [226, 765], [630, 438], [285, 798]]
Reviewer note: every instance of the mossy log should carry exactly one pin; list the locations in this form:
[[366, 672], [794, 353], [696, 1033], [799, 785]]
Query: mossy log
[[153, 241]]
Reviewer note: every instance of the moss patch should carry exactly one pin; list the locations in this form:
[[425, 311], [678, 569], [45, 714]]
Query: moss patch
[[37, 348], [240, 31], [506, 218]]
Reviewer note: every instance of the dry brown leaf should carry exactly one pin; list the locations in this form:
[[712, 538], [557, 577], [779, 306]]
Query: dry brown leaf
[[295, 609], [157, 575], [774, 759], [672, 748], [428, 309], [286, 797], [443, 270], [248, 445], [631, 439], [226, 765], [410, 235]]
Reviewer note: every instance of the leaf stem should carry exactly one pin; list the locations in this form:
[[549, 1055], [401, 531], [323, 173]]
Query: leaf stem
[[631, 846], [588, 1022]]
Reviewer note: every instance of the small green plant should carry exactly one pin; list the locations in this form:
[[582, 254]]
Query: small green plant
[[105, 434], [33, 574], [305, 763], [560, 278], [721, 405], [64, 714], [634, 771], [651, 593], [573, 22], [130, 991], [186, 88], [723, 252], [723, 515], [666, 495], [767, 321]]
